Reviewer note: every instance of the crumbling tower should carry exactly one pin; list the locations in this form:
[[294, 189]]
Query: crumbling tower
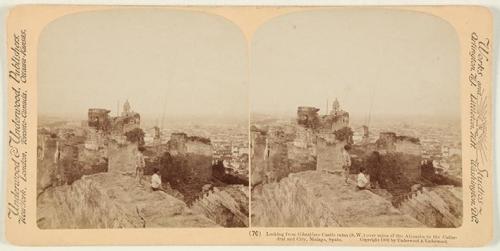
[[366, 135]]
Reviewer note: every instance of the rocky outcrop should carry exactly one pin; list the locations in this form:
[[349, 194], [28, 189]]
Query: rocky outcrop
[[227, 206], [321, 199], [439, 206], [113, 200]]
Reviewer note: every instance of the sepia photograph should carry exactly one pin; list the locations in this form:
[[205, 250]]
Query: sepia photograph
[[355, 121], [142, 121], [250, 125]]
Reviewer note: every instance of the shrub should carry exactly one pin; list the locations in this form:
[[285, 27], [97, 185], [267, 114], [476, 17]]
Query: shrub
[[344, 134], [135, 135]]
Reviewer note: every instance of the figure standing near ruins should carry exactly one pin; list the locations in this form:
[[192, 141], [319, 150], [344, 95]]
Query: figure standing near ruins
[[346, 159], [140, 164]]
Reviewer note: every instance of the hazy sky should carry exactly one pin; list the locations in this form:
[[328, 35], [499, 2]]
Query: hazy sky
[[406, 62], [185, 63], [194, 64]]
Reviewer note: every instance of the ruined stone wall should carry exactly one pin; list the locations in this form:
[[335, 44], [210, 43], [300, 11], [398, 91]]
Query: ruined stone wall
[[184, 162], [131, 122], [63, 161], [177, 143], [408, 150], [335, 121], [197, 147], [394, 171], [300, 158], [95, 139], [99, 119], [329, 152], [390, 142], [68, 152], [93, 161], [408, 147], [303, 137], [312, 144], [279, 152], [187, 173], [121, 157], [195, 154], [258, 150], [276, 164], [42, 145], [276, 154], [407, 164], [123, 124], [199, 166], [46, 165], [302, 150]]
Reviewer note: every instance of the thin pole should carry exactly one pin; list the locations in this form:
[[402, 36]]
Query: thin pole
[[326, 106]]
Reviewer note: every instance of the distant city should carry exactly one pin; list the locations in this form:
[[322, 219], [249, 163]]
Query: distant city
[[202, 165], [229, 137], [440, 138], [388, 171]]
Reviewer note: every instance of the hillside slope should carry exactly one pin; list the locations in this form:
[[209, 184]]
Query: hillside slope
[[113, 200], [321, 199]]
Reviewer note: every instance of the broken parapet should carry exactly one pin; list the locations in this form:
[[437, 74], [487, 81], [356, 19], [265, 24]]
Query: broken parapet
[[390, 142], [181, 143]]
